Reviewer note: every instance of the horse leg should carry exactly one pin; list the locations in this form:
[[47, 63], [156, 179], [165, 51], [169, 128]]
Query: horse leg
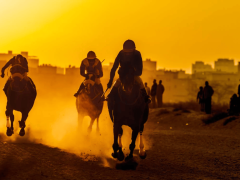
[[22, 124], [91, 124], [98, 130], [120, 153], [12, 120], [8, 113], [80, 121], [142, 152], [132, 145], [110, 108], [115, 143]]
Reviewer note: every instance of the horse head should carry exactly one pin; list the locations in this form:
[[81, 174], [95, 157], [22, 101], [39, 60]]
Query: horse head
[[127, 78], [88, 86], [17, 78]]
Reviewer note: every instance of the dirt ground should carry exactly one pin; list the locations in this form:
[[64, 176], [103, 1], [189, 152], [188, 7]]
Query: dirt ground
[[182, 147]]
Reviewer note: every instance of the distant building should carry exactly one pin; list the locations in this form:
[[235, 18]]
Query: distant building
[[33, 61], [182, 75], [60, 70], [72, 71], [47, 69], [225, 65], [6, 56], [199, 67], [150, 65]]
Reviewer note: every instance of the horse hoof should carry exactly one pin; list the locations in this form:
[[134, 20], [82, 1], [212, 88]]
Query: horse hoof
[[22, 132], [9, 132], [143, 156], [120, 156], [115, 155], [129, 157]]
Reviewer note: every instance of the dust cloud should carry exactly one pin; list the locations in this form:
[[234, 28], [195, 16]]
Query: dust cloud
[[53, 121]]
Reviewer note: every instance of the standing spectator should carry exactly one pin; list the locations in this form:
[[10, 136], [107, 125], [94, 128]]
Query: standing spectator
[[200, 98], [153, 93], [207, 93], [160, 90], [147, 89]]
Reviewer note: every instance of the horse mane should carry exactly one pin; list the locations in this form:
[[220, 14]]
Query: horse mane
[[126, 75]]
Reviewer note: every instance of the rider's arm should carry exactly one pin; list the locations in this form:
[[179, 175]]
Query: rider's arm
[[99, 68], [82, 70], [138, 65], [115, 66], [7, 64]]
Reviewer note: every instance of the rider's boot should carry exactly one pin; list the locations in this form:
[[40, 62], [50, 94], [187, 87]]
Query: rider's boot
[[146, 97]]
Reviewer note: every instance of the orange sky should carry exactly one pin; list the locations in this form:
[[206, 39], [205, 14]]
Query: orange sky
[[175, 33]]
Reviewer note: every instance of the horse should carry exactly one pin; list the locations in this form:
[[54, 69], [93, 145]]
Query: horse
[[21, 94], [127, 108], [89, 103]]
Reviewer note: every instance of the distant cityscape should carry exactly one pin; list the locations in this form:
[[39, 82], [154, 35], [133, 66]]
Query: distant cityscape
[[179, 85]]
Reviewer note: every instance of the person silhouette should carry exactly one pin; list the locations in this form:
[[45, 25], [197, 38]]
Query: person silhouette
[[208, 92], [160, 91]]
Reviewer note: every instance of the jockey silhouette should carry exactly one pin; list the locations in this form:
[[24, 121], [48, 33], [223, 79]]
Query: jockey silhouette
[[91, 68], [126, 58], [16, 60]]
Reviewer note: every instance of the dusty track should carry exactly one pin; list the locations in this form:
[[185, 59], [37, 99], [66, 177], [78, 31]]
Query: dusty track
[[192, 151]]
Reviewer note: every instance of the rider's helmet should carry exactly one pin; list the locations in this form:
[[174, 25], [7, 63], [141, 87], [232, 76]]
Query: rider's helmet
[[129, 46], [91, 55]]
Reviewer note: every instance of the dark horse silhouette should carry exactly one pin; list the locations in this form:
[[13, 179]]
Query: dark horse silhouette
[[128, 108], [21, 94], [89, 103], [234, 105]]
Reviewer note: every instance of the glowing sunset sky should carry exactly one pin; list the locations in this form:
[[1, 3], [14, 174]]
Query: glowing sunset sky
[[175, 33]]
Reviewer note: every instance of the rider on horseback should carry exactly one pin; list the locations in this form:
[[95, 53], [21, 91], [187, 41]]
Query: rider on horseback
[[20, 91], [128, 57], [16, 60], [91, 69]]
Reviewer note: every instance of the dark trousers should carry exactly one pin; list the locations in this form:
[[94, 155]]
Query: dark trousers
[[153, 98], [159, 101], [208, 105]]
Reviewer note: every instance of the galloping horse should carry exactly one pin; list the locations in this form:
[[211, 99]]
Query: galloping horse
[[21, 94], [129, 108], [89, 103]]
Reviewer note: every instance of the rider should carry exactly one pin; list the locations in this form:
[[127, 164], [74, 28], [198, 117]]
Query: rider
[[19, 59], [91, 68], [128, 57]]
